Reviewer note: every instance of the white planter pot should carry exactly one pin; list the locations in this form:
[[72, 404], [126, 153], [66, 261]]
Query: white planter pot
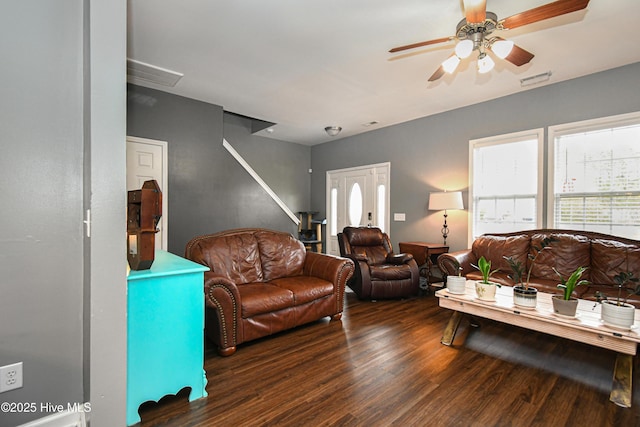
[[526, 298], [456, 284], [486, 292], [620, 316]]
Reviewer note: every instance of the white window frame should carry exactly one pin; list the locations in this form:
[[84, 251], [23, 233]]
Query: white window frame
[[506, 139], [578, 127]]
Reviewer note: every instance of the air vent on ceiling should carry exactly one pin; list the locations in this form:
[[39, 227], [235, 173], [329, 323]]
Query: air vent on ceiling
[[534, 80], [139, 72]]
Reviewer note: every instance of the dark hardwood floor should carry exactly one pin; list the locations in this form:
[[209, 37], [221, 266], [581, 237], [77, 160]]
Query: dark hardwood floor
[[383, 365]]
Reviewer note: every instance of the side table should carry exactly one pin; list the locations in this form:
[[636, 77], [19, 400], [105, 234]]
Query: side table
[[425, 255]]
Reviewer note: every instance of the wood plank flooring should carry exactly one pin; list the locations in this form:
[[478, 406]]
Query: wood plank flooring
[[383, 365]]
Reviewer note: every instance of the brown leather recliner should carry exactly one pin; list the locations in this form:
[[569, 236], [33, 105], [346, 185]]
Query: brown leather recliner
[[379, 272]]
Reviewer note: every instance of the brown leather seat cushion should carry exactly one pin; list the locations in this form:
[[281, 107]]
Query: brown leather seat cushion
[[390, 272], [260, 298], [305, 288]]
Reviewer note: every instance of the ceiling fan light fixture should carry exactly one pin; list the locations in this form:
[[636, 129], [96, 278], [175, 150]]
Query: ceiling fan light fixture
[[485, 63], [502, 48], [450, 64], [464, 48]]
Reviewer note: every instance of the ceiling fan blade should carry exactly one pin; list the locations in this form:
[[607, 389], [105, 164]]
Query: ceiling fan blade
[[475, 11], [518, 56], [439, 73], [420, 44], [543, 12]]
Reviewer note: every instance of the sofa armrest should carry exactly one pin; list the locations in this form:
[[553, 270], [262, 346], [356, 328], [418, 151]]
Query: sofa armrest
[[337, 270], [399, 259], [222, 296], [448, 262]]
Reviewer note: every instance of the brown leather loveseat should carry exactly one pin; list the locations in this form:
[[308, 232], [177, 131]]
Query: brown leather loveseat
[[262, 282], [604, 255]]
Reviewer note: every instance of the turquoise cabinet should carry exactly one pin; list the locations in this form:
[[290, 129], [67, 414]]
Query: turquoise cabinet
[[165, 328]]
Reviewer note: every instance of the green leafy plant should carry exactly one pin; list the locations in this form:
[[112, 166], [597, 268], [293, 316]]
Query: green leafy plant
[[518, 269], [484, 267], [621, 280], [568, 285]]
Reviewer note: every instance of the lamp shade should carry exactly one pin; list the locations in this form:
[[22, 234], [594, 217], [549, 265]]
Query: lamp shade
[[445, 200]]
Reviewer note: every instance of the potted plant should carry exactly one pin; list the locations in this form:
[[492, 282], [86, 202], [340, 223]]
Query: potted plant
[[566, 304], [617, 312], [485, 290], [457, 284], [525, 295]]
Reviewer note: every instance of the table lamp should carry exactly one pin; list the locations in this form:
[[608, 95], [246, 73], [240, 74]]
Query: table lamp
[[443, 201]]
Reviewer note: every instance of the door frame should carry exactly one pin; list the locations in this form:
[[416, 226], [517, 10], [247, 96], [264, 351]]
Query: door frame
[[372, 168], [164, 220]]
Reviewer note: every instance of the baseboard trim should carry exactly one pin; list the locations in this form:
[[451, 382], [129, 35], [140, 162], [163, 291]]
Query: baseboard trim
[[60, 419]]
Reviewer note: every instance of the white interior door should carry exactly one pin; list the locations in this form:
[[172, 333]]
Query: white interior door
[[357, 197], [147, 159]]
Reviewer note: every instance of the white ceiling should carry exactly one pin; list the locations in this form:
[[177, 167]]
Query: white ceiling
[[308, 64]]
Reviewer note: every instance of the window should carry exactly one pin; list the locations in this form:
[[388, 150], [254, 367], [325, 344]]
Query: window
[[506, 183], [594, 176]]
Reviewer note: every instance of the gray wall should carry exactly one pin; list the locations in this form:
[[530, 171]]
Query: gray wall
[[105, 193], [431, 153], [208, 190], [49, 122], [41, 246]]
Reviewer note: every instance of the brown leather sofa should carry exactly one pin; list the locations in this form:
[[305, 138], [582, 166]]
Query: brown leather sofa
[[380, 273], [262, 282], [604, 255]]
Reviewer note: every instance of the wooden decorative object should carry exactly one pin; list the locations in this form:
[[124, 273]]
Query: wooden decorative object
[[144, 210]]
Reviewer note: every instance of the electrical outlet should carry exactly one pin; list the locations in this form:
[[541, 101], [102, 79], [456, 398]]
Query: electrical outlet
[[10, 377]]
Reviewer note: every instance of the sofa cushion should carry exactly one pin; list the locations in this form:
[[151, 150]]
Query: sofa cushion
[[281, 254], [305, 288], [260, 298], [369, 243], [235, 256], [495, 248], [610, 257], [390, 272], [566, 253], [364, 236]]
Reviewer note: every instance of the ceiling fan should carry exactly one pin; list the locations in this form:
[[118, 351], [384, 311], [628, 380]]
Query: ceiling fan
[[475, 31]]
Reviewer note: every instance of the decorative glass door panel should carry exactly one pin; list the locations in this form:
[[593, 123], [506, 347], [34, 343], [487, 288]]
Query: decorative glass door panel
[[354, 205]]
